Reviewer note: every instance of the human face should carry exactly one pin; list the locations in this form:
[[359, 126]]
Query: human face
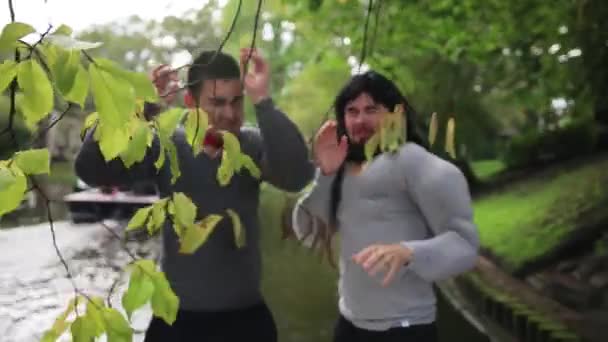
[[222, 99], [362, 118]]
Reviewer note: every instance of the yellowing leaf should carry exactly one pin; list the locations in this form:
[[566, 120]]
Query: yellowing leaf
[[34, 162], [433, 129], [168, 121], [38, 93], [195, 127], [164, 301], [371, 146], [114, 98], [158, 216], [83, 329], [8, 71], [117, 328], [196, 234], [226, 169], [185, 210], [60, 325], [174, 164], [12, 195], [11, 33], [139, 219], [141, 288], [250, 165], [449, 138], [237, 226]]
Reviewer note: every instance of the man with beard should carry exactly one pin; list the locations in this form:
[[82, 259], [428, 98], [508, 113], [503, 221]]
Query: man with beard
[[405, 219]]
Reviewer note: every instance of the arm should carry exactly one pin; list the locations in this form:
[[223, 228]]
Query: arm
[[311, 207], [441, 192], [92, 168], [284, 160]]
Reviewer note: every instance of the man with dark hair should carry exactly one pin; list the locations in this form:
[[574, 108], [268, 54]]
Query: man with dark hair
[[219, 285], [407, 215]]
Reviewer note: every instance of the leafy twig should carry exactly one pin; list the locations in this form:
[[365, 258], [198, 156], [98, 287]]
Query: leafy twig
[[365, 29]]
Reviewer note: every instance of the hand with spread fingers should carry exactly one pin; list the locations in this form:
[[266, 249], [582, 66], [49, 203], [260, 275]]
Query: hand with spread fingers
[[389, 257], [166, 82], [330, 152]]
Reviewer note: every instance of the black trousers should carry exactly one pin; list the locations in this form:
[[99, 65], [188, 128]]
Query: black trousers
[[345, 331], [251, 324]]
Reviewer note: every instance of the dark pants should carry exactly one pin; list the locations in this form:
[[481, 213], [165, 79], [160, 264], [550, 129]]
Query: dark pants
[[251, 324], [345, 331]]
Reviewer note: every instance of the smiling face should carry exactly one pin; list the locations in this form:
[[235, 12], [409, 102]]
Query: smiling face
[[362, 118], [222, 99]]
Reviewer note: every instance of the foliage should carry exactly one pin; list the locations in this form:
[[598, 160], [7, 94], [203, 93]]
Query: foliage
[[58, 70], [579, 137]]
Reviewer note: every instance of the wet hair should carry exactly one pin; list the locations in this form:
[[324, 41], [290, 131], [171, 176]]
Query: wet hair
[[211, 65], [383, 91]]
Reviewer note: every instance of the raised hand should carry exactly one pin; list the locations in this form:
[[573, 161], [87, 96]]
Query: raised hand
[[257, 79], [329, 152], [166, 82]]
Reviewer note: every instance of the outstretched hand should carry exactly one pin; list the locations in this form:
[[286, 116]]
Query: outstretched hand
[[330, 152], [166, 82]]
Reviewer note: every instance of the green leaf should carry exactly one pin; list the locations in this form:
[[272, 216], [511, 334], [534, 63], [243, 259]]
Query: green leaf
[[7, 179], [112, 140], [114, 98], [174, 164], [88, 123], [164, 301], [117, 327], [233, 148], [64, 70], [80, 89], [8, 71], [34, 162], [11, 196], [60, 325], [69, 43], [168, 121], [239, 233], [195, 127], [138, 145], [139, 292], [83, 329], [144, 88], [148, 266], [139, 219], [196, 234], [250, 166], [226, 169], [158, 216], [11, 33], [37, 90], [185, 210], [95, 316], [161, 157], [63, 30]]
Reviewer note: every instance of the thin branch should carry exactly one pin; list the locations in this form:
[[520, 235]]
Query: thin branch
[[365, 29], [44, 34], [12, 10], [253, 39], [43, 132]]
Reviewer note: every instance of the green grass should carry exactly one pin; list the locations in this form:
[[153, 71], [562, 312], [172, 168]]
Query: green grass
[[486, 169], [531, 217], [299, 286]]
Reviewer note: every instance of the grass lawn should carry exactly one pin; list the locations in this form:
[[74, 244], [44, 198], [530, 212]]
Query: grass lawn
[[486, 169], [530, 217]]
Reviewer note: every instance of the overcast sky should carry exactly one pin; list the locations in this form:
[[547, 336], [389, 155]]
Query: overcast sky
[[79, 14]]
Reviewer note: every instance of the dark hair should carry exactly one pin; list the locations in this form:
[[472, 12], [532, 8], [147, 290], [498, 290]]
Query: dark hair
[[382, 91], [211, 65]]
